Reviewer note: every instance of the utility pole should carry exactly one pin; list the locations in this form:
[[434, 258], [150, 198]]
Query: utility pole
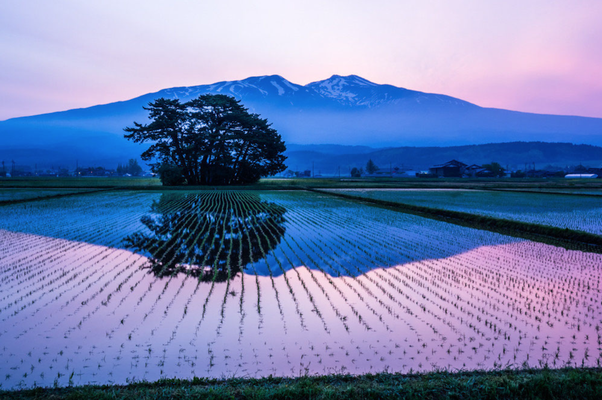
[[312, 170]]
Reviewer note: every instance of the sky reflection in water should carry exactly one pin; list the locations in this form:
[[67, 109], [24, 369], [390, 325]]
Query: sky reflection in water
[[365, 290]]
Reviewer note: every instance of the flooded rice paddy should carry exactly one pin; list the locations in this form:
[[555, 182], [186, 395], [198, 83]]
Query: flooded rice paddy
[[123, 286], [571, 211]]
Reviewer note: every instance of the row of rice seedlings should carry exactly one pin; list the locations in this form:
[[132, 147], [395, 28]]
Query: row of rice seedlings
[[257, 232], [378, 299], [245, 232], [41, 265], [332, 249], [483, 278], [117, 267], [318, 265], [193, 245], [83, 215], [356, 234], [218, 248], [572, 212], [481, 261], [10, 194], [225, 211], [126, 296], [224, 246], [238, 209], [385, 294], [188, 222], [270, 237], [47, 286], [418, 283]]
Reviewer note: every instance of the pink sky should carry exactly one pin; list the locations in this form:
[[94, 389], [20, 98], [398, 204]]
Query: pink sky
[[541, 56]]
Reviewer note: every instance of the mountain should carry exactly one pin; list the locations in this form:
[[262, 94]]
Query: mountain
[[344, 110]]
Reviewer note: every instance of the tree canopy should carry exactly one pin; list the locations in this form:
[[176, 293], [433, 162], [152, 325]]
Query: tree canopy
[[496, 169], [210, 140], [371, 167], [131, 168]]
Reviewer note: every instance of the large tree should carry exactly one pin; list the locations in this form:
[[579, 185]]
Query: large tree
[[209, 140]]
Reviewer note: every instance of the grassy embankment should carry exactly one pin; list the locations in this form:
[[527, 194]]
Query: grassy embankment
[[568, 383]]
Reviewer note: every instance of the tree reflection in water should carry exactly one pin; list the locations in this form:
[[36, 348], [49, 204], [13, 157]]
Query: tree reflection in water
[[210, 235]]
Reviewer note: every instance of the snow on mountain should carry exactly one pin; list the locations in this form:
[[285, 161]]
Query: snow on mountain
[[353, 90], [346, 91]]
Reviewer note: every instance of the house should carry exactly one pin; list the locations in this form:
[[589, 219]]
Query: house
[[451, 169], [472, 170]]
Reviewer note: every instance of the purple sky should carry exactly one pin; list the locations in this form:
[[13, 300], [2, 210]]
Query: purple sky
[[540, 56]]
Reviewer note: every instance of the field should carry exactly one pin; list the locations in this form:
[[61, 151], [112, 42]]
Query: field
[[579, 213], [118, 286]]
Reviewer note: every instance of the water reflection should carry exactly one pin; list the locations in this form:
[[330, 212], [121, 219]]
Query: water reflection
[[211, 236]]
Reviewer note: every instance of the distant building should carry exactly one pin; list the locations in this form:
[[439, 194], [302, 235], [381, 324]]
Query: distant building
[[581, 176], [451, 169], [472, 170], [21, 170]]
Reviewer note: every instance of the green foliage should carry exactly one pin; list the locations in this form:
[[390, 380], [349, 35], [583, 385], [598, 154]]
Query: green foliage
[[569, 383], [356, 173], [213, 139], [371, 167], [496, 169], [171, 175], [132, 168]]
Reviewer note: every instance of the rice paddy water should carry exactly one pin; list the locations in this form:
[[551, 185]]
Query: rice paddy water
[[116, 287]]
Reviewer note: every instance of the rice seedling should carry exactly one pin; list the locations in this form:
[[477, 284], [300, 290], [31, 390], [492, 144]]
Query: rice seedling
[[260, 283]]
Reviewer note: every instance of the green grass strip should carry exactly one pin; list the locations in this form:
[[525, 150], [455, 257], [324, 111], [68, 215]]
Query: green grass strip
[[568, 383]]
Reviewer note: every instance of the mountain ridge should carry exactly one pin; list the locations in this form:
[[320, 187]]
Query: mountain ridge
[[346, 110]]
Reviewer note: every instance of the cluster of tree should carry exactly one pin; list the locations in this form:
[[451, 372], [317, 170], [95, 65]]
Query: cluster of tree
[[131, 168], [93, 171], [210, 140], [357, 172], [371, 168], [297, 174]]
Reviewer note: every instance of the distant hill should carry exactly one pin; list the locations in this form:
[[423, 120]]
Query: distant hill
[[343, 110], [514, 155]]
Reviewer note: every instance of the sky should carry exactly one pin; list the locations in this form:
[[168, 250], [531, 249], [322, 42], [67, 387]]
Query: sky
[[542, 56]]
